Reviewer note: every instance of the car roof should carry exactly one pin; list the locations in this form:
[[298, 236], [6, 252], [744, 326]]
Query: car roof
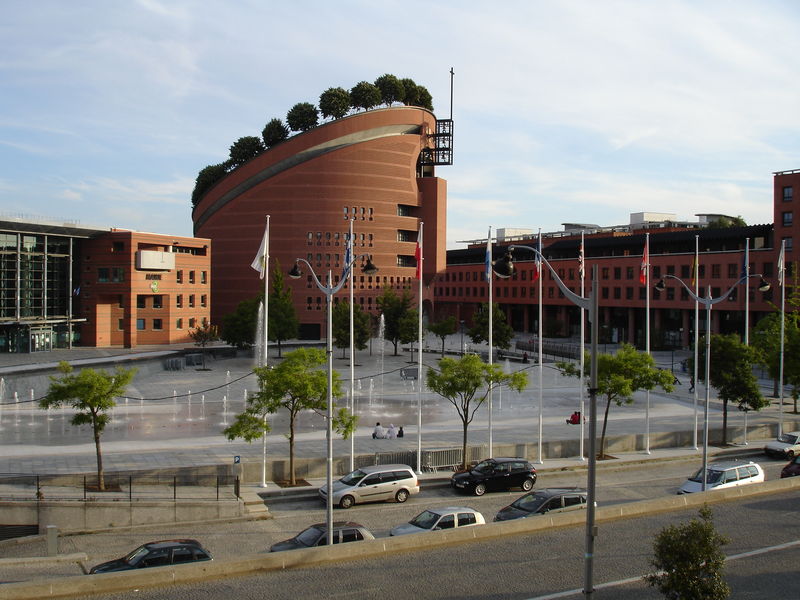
[[730, 464], [446, 510], [336, 525], [170, 543], [558, 491], [381, 468], [507, 459]]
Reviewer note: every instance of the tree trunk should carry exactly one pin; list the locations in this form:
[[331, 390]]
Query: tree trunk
[[101, 484], [395, 346], [291, 451], [605, 424], [724, 422], [442, 347], [464, 446], [279, 349]]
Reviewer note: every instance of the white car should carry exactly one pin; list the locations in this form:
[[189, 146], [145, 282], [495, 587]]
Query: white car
[[787, 446], [722, 475], [434, 519]]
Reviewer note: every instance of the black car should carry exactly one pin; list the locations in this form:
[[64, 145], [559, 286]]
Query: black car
[[156, 554], [495, 474], [544, 501], [316, 535]]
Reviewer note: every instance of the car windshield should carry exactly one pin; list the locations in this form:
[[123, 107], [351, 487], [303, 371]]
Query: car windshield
[[425, 520], [136, 555], [711, 477], [309, 536], [787, 438], [485, 466], [353, 478], [530, 502]]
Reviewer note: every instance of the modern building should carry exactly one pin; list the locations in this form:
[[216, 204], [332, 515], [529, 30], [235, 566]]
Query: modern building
[[64, 285], [374, 168]]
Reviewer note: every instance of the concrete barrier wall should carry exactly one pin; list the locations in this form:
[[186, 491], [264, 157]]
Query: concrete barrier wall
[[157, 577]]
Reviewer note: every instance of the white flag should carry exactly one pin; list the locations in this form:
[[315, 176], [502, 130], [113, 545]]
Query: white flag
[[781, 266], [260, 261]]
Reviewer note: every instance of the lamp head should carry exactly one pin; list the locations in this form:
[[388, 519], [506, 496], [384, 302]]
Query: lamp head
[[369, 268], [504, 267], [660, 286], [295, 272], [763, 285]]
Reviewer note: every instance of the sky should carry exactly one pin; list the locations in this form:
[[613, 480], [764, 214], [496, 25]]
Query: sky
[[564, 111]]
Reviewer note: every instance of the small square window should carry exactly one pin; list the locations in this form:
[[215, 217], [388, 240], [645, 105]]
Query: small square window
[[179, 324], [787, 219], [157, 324], [140, 324]]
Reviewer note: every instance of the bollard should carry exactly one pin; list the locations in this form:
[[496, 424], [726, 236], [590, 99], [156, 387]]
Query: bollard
[[52, 540]]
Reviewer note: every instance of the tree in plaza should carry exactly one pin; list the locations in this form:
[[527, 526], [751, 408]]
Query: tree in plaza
[[394, 308], [203, 336], [502, 333], [391, 89], [465, 382], [282, 318], [239, 327], [409, 328], [302, 116], [295, 385], [365, 95], [620, 376], [244, 149], [91, 393], [274, 133], [731, 374], [341, 326], [335, 102], [443, 328], [690, 560]]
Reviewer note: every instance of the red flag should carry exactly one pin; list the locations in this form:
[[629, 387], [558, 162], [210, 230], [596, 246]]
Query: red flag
[[418, 256], [645, 264]]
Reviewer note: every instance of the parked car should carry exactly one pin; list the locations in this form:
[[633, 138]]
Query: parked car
[[156, 554], [786, 446], [434, 519], [724, 474], [792, 469], [373, 484], [495, 474], [547, 500], [316, 535]]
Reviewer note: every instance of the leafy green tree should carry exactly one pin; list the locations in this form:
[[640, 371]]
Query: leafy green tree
[[443, 328], [690, 561], [335, 102], [365, 95], [425, 98], [731, 374], [620, 376], [274, 133], [239, 327], [341, 326], [203, 336], [391, 89], [91, 394], [410, 92], [724, 222], [296, 384], [302, 117], [394, 308], [206, 179], [244, 149], [502, 332], [465, 383], [282, 318], [409, 328]]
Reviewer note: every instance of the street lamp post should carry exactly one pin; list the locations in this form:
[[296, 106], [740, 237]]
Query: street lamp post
[[590, 304], [708, 301], [329, 290]]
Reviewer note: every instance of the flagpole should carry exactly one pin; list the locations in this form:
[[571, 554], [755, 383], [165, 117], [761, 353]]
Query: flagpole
[[266, 354], [696, 330], [583, 332], [349, 267], [490, 276], [539, 459], [747, 292], [781, 280], [419, 353], [647, 337]]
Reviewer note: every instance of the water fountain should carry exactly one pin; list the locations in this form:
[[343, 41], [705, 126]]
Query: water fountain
[[33, 405], [259, 350], [189, 406], [174, 405], [372, 388], [227, 383], [381, 334], [202, 407], [225, 411]]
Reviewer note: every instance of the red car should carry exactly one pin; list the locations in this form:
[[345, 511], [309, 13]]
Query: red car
[[792, 469]]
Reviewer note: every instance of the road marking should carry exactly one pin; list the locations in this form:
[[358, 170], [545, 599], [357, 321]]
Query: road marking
[[600, 586]]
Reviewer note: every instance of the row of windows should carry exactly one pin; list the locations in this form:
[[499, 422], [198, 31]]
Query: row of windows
[[366, 281], [179, 276], [157, 301], [318, 302], [362, 239], [110, 275], [364, 212], [34, 243], [158, 324]]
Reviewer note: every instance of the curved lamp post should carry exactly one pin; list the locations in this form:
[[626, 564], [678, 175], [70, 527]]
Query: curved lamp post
[[763, 286], [329, 290], [505, 267]]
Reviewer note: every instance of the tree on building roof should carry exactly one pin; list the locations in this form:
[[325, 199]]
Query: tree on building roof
[[335, 102], [365, 95], [244, 149], [391, 89], [274, 133], [206, 179], [302, 117]]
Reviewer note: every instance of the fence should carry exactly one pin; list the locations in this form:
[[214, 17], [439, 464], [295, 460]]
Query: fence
[[433, 459]]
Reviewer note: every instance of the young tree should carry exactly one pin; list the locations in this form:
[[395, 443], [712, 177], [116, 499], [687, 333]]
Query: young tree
[[302, 116], [91, 393], [465, 383], [296, 384], [391, 89], [244, 149], [502, 333], [731, 374], [620, 376], [690, 560], [239, 327], [282, 317], [335, 102], [394, 308], [365, 95], [203, 336], [341, 326], [443, 328], [274, 133]]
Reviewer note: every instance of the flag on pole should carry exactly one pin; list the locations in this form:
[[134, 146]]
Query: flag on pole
[[418, 256], [580, 260], [537, 263], [488, 258], [781, 266], [744, 266], [694, 271], [645, 263], [348, 256], [260, 261]]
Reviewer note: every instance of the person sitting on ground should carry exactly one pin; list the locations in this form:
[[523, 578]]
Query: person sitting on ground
[[575, 418], [392, 432], [400, 432], [379, 432]]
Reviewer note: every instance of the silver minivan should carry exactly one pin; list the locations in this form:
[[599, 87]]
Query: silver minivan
[[375, 483], [724, 474]]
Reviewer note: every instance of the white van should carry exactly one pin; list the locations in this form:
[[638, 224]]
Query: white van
[[373, 484], [724, 475]]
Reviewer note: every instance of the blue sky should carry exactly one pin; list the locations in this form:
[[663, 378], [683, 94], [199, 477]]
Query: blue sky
[[565, 111]]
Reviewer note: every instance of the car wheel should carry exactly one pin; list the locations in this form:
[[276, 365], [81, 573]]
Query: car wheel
[[480, 489], [790, 454], [401, 495], [527, 485], [346, 502]]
